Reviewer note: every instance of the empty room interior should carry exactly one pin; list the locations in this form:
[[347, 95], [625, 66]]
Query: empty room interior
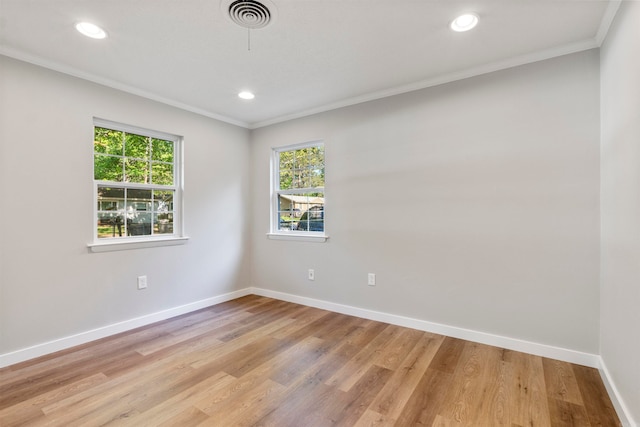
[[166, 168]]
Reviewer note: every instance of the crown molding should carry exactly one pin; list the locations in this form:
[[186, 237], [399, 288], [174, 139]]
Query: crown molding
[[439, 80], [423, 84], [65, 69], [607, 20]]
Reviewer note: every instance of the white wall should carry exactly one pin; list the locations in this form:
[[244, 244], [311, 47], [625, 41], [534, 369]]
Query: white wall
[[51, 286], [476, 203], [620, 168]]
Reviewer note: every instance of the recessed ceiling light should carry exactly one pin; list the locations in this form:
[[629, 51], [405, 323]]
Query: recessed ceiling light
[[464, 22], [91, 30], [246, 95]]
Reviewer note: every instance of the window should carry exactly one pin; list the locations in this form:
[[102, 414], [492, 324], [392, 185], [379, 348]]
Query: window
[[298, 196], [137, 183]]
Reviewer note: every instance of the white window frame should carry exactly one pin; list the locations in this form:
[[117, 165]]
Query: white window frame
[[144, 241], [276, 233]]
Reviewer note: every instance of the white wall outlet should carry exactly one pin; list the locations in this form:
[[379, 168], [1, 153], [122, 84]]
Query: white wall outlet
[[142, 282], [312, 274], [371, 279]]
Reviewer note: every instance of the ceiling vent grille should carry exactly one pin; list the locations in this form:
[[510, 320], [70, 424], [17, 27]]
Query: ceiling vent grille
[[250, 14]]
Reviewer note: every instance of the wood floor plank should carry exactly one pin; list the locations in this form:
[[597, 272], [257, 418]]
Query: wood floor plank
[[473, 385], [446, 360], [596, 401], [363, 334], [374, 419], [355, 368], [347, 407], [397, 349], [396, 393], [561, 382], [256, 361], [184, 401], [305, 354], [426, 400], [187, 332], [189, 417], [227, 348], [567, 414], [528, 390], [32, 408], [303, 318]]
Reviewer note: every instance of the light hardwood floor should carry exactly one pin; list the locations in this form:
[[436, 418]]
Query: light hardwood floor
[[259, 361]]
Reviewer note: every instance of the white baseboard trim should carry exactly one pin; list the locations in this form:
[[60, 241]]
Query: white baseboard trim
[[558, 353], [94, 334], [618, 403], [572, 356]]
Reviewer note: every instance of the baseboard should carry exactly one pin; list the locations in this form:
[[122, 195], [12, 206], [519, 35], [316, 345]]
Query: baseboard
[[572, 356], [558, 353], [94, 334], [618, 403], [552, 352]]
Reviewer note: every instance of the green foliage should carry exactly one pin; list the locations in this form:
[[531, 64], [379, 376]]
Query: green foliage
[[162, 150], [303, 168], [108, 141], [107, 168], [162, 173], [128, 157]]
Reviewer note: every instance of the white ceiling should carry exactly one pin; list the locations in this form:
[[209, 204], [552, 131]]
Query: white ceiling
[[314, 56]]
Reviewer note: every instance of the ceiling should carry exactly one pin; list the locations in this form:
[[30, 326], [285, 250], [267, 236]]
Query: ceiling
[[315, 55]]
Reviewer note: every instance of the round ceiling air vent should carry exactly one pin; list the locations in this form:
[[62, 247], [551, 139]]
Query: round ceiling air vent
[[250, 14]]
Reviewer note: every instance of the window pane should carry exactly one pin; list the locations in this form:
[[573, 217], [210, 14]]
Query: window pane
[[136, 146], [317, 177], [312, 218], [137, 171], [110, 212], [163, 201], [302, 212], [163, 223], [288, 212], [138, 200], [162, 150], [110, 199], [107, 168], [139, 223], [108, 141], [286, 179], [110, 224], [300, 158], [286, 160], [307, 177], [162, 173], [297, 179]]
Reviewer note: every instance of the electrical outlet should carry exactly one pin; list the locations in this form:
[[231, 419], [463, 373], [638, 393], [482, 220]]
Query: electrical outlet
[[371, 279], [142, 282], [312, 274]]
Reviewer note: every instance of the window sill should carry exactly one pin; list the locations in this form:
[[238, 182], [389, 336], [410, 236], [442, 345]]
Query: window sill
[[318, 238], [123, 245]]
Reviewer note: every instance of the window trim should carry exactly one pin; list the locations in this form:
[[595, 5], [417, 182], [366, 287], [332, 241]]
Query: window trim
[[274, 232], [178, 236]]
